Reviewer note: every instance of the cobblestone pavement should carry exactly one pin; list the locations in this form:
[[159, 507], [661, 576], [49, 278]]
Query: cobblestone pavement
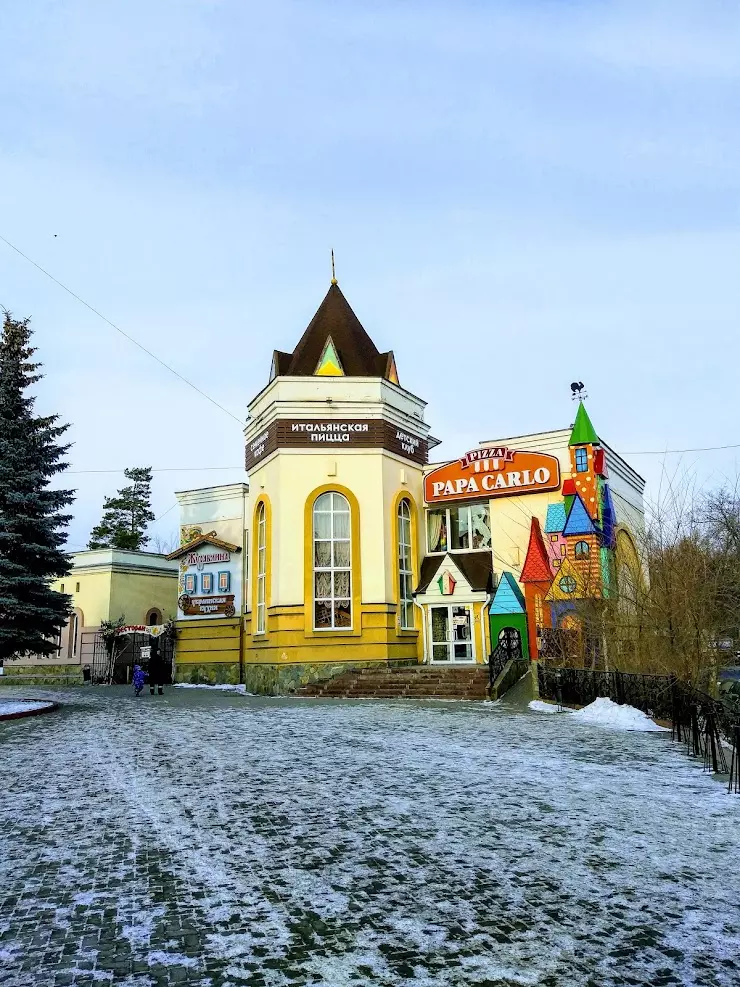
[[219, 840]]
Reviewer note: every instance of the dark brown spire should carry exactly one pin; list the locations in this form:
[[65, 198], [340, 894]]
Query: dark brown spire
[[335, 320]]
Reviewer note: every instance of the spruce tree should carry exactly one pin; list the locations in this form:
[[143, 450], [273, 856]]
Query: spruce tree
[[126, 516], [32, 522]]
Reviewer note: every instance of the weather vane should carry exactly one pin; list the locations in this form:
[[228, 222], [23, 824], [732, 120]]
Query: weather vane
[[576, 390], [333, 273]]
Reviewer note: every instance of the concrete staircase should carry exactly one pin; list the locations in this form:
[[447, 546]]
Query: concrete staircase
[[415, 682]]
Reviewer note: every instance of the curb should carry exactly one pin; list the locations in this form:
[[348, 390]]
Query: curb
[[24, 714]]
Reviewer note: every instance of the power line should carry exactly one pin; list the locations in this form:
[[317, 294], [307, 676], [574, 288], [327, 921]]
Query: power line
[[639, 452], [203, 469], [160, 469], [118, 329], [165, 513], [670, 452]]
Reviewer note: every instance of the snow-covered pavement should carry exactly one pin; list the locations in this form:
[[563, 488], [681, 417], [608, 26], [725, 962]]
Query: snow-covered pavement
[[216, 839]]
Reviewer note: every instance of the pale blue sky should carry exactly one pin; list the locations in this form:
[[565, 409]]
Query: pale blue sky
[[519, 194]]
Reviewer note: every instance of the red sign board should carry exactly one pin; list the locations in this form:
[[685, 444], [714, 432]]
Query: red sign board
[[493, 472]]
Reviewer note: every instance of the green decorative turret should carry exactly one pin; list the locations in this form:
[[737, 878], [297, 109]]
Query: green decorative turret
[[583, 431]]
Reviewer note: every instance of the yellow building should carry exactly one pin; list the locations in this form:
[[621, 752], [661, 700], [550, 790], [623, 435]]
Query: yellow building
[[212, 563], [335, 449], [346, 549], [104, 584]]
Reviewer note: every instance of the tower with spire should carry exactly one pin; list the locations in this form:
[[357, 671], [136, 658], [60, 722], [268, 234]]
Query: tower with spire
[[335, 449], [572, 561], [586, 462]]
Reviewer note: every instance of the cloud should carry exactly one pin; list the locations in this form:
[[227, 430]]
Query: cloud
[[516, 191]]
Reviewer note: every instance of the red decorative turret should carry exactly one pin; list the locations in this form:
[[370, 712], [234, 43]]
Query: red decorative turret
[[536, 577]]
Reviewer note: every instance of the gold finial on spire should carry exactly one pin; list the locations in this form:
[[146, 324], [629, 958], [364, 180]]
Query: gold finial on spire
[[333, 273]]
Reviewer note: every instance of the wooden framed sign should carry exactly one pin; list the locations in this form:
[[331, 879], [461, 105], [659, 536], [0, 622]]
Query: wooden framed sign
[[494, 472]]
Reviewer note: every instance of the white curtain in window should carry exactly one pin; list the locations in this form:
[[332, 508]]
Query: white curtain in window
[[332, 551], [434, 523]]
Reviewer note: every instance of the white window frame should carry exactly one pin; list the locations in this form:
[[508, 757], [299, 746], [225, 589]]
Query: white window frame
[[261, 560], [405, 565], [331, 568], [444, 551], [450, 640]]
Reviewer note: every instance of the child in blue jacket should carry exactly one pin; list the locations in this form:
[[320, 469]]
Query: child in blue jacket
[[139, 676]]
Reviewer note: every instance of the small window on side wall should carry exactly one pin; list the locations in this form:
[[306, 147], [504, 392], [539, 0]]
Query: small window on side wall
[[582, 549], [154, 617], [224, 582], [581, 461], [190, 583]]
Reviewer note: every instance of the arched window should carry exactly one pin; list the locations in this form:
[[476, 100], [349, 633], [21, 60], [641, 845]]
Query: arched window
[[261, 615], [74, 633], [153, 617], [405, 568], [582, 549], [332, 567]]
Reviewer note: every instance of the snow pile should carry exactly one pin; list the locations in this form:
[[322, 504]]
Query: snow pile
[[604, 712], [219, 688], [8, 706], [541, 707]]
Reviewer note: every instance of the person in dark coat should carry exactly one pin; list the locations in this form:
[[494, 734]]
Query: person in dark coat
[[156, 668]]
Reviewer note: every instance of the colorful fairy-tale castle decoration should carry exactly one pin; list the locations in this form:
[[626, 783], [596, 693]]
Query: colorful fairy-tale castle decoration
[[572, 560], [508, 610], [536, 577]]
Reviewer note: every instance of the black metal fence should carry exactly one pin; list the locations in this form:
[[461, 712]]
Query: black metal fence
[[509, 649], [699, 721], [115, 666], [580, 686]]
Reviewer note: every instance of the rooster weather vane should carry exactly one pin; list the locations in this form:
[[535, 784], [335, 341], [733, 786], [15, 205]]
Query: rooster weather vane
[[577, 391]]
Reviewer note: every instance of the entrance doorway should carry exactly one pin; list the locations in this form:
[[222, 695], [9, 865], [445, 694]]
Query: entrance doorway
[[510, 643], [451, 633]]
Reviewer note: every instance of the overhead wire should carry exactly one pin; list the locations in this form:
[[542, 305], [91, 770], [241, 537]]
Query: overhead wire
[[161, 469], [202, 393], [121, 331], [199, 469]]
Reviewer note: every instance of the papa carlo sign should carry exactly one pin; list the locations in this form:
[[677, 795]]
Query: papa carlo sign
[[493, 472]]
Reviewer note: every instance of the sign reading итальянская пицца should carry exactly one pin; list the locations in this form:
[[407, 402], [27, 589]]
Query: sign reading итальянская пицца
[[368, 433]]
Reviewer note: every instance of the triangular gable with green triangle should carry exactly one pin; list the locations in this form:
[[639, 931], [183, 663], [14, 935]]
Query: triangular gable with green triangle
[[508, 597], [329, 364], [579, 521], [583, 431]]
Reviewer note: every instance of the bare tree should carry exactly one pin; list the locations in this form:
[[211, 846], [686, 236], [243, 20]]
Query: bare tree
[[673, 600], [164, 544]]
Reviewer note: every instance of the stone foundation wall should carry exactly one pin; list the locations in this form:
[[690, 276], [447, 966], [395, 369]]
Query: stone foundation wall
[[267, 679], [207, 673], [16, 674]]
